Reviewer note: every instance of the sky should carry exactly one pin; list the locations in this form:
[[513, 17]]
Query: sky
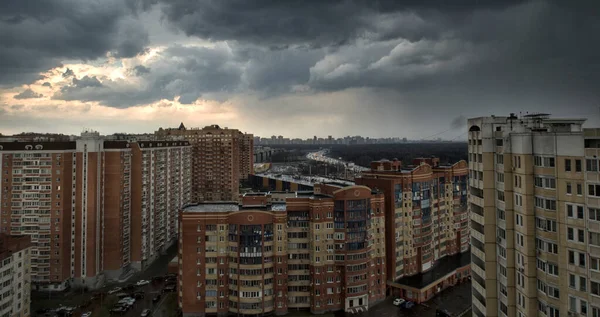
[[297, 68]]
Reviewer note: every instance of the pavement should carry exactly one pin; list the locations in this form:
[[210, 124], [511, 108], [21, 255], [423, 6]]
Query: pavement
[[52, 300], [455, 299]]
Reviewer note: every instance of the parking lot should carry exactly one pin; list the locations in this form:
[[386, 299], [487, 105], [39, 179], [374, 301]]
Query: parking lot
[[455, 300], [45, 303]]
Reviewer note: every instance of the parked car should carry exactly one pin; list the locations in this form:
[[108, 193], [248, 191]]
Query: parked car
[[87, 314], [145, 313], [408, 305], [157, 278], [142, 282], [138, 295], [118, 311], [398, 301], [156, 298], [129, 287], [168, 289], [115, 290]]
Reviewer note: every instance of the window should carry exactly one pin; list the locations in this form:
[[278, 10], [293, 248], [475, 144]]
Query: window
[[577, 165], [579, 189], [594, 264], [553, 312], [595, 288], [594, 214], [545, 182], [569, 188], [594, 238], [594, 190], [567, 165], [500, 195], [591, 165], [500, 177], [582, 284], [552, 269]]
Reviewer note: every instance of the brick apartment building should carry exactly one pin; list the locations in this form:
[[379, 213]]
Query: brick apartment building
[[221, 158], [426, 221], [70, 197], [319, 251], [15, 275]]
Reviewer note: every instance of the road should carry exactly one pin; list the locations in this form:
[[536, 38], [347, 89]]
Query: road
[[321, 156]]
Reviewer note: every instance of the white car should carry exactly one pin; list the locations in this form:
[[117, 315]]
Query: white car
[[114, 290], [142, 283], [398, 301], [87, 314]]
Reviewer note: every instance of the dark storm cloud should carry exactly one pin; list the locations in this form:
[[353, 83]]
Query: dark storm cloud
[[316, 22], [39, 35], [28, 94], [184, 72], [140, 70]]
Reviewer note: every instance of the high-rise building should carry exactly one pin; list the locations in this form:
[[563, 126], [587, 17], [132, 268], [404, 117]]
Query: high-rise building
[[77, 201], [15, 275], [246, 155], [161, 184], [221, 157], [321, 251], [426, 222], [535, 232]]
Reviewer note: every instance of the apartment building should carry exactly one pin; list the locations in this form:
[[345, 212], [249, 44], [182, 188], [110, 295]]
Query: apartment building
[[533, 217], [427, 227], [318, 251], [36, 200], [246, 155], [15, 275], [74, 199], [221, 157], [162, 178]]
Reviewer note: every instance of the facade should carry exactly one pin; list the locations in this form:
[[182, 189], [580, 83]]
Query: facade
[[15, 276], [535, 232], [246, 155], [162, 178], [426, 212], [76, 201], [321, 251], [220, 158]]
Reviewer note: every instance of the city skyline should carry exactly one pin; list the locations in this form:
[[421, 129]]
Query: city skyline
[[379, 69]]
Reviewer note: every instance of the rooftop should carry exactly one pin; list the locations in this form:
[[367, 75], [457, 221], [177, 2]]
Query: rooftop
[[442, 268], [213, 207]]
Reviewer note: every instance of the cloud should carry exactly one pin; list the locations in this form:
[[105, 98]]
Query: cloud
[[68, 73], [28, 94], [182, 72], [47, 84], [458, 122], [140, 70], [38, 36]]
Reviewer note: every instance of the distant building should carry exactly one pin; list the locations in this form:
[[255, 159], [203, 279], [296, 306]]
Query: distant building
[[320, 252], [15, 272], [221, 157]]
